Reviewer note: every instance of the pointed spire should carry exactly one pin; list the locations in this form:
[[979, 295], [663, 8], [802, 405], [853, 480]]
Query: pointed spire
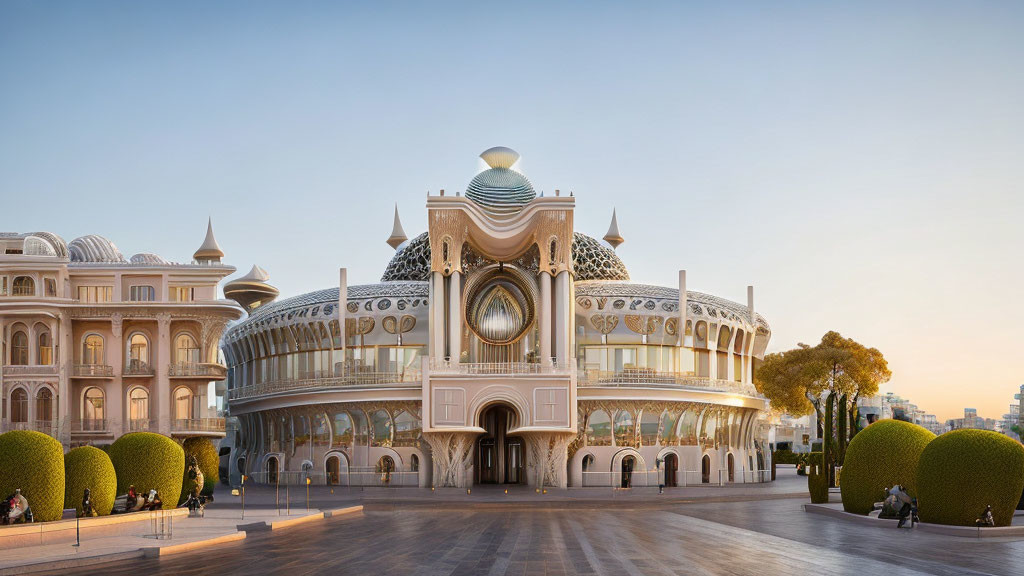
[[613, 237], [397, 232], [209, 252]]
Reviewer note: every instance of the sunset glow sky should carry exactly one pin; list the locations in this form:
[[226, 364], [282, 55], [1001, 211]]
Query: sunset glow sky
[[860, 165]]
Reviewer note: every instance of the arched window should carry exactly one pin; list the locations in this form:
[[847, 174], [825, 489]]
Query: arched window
[[625, 428], [23, 286], [44, 404], [381, 428], [19, 349], [138, 352], [648, 428], [588, 462], [138, 407], [407, 429], [414, 463], [321, 432], [51, 287], [599, 429], [342, 430], [186, 351], [19, 406], [44, 353], [182, 404], [668, 429], [92, 349], [92, 407]]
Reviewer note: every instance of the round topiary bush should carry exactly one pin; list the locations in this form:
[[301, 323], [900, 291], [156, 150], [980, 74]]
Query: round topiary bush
[[882, 455], [209, 463], [149, 461], [89, 467], [963, 471], [33, 462]]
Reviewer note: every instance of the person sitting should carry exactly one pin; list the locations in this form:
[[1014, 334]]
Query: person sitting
[[87, 507], [986, 519], [152, 501], [132, 501]]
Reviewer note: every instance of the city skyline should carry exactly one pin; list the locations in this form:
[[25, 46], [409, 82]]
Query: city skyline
[[868, 187]]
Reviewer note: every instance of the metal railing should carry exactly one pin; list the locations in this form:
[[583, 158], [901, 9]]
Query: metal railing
[[202, 370], [91, 425], [41, 369], [92, 371], [498, 368], [198, 425], [347, 380], [138, 368], [141, 425], [660, 379], [635, 479], [353, 476]]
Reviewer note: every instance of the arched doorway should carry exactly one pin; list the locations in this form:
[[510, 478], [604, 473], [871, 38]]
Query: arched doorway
[[730, 464], [272, 471], [628, 463], [333, 469], [500, 458], [705, 469], [671, 467], [385, 466]]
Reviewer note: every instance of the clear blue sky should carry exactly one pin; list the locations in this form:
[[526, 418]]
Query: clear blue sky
[[859, 163]]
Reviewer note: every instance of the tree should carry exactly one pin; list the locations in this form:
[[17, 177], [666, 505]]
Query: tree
[[837, 371]]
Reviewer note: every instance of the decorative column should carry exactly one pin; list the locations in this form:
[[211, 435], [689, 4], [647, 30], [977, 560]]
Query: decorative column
[[562, 317], [748, 360], [437, 315], [343, 311], [65, 361], [455, 317], [682, 307], [545, 318], [162, 392], [115, 393]]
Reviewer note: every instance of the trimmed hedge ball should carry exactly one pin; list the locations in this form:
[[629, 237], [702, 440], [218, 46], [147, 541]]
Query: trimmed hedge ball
[[33, 462], [209, 462], [880, 456], [963, 471], [149, 461], [89, 467]]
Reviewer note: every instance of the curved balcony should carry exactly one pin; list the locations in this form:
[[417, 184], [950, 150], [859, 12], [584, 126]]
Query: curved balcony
[[201, 426], [498, 368], [92, 371], [205, 371], [640, 377], [349, 380]]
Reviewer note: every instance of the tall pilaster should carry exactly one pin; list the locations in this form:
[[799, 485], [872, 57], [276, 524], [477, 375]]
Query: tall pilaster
[[343, 310], [455, 317], [437, 315], [562, 317], [162, 393], [115, 394], [545, 317]]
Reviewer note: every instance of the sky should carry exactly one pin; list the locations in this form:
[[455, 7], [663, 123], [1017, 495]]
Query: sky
[[858, 163]]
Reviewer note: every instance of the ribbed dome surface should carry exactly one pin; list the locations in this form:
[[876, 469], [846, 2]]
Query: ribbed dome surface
[[500, 191], [148, 258], [94, 248]]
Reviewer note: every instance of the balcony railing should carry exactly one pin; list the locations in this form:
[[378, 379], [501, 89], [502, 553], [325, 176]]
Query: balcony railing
[[198, 425], [41, 370], [655, 379], [141, 425], [92, 371], [190, 370], [498, 368], [48, 427], [89, 425], [138, 368], [353, 379]]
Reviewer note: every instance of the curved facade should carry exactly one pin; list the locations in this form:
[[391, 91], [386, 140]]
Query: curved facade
[[501, 347]]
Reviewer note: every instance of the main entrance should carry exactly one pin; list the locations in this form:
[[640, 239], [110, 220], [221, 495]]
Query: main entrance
[[500, 458]]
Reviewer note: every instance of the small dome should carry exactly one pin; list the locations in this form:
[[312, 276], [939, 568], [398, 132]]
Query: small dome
[[148, 258], [94, 248], [500, 190], [252, 290], [45, 244]]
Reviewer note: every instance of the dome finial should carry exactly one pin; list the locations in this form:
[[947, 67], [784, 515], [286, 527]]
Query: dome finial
[[397, 232], [613, 237], [252, 290], [500, 157], [209, 252]]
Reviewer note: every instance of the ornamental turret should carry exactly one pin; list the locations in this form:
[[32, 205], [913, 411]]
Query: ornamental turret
[[209, 252]]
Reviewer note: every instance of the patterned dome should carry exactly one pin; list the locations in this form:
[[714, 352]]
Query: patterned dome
[[93, 248], [148, 258], [591, 261], [500, 190]]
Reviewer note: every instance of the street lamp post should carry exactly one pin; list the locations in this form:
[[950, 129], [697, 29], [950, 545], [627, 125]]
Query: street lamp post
[[308, 480]]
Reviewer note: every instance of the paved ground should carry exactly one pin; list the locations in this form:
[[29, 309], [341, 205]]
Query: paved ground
[[484, 533]]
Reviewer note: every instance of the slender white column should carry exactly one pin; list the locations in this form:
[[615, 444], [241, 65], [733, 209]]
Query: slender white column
[[163, 381], [682, 307], [437, 314], [544, 320], [343, 309], [65, 356], [115, 394], [562, 317], [455, 317]]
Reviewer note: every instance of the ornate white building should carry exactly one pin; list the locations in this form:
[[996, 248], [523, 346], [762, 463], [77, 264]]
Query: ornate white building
[[501, 346], [94, 345]]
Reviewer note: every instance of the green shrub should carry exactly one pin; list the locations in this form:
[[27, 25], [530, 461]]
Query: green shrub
[[149, 461], [33, 462], [89, 467], [962, 471], [209, 463], [785, 457], [882, 455], [817, 485]]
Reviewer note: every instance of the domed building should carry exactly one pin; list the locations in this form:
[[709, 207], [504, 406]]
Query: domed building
[[501, 346]]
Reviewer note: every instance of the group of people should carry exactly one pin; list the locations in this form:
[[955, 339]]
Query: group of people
[[134, 502], [15, 508]]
